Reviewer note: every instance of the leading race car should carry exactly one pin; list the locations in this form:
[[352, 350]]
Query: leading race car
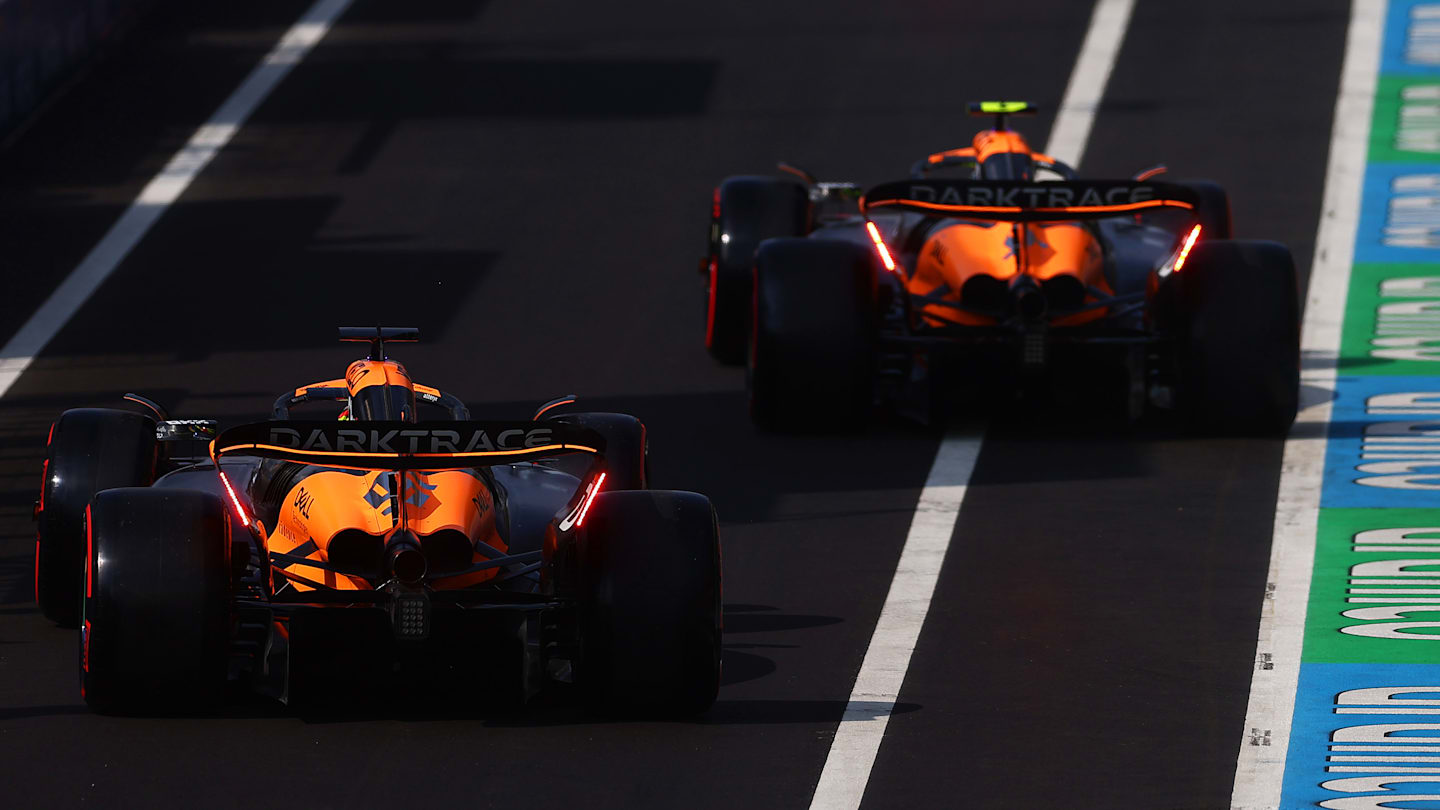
[[305, 557], [1016, 275]]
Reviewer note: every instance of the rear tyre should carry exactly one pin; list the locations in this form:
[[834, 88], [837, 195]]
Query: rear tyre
[[1214, 209], [650, 615], [750, 210], [812, 364], [1240, 361], [626, 447], [91, 449], [155, 626]]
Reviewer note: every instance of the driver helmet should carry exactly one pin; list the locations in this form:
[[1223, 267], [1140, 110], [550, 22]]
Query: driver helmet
[[380, 390]]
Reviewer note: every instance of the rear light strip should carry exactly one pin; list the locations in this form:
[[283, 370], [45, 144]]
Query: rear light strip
[[235, 500], [880, 246]]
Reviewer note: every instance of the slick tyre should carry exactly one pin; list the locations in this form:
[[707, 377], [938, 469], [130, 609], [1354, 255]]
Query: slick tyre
[[650, 615], [155, 626], [90, 449], [813, 354], [1214, 209], [748, 211], [626, 448], [1240, 359]]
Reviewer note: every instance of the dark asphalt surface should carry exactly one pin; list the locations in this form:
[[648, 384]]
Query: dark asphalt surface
[[528, 183]]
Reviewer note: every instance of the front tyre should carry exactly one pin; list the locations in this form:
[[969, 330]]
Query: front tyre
[[90, 449], [748, 210], [650, 605]]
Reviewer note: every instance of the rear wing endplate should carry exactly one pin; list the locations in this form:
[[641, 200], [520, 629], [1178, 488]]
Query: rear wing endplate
[[1021, 202], [406, 445]]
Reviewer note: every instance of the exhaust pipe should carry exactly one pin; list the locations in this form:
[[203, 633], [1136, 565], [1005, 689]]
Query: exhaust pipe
[[407, 561], [1027, 300]]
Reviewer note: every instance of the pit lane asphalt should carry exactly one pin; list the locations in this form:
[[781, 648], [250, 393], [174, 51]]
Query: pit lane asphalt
[[529, 183]]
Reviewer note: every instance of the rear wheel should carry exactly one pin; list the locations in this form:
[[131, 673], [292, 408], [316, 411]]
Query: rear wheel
[[1240, 362], [155, 625], [90, 449], [812, 364], [626, 449], [650, 615], [748, 211]]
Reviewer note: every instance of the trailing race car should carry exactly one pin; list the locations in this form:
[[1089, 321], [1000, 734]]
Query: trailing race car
[[920, 290], [296, 556]]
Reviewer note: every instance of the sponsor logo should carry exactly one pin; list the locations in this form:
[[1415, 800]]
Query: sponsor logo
[[1407, 320], [1422, 40], [1377, 763], [402, 441], [303, 502], [1418, 128], [1398, 592], [1412, 216], [1402, 454], [1032, 196]]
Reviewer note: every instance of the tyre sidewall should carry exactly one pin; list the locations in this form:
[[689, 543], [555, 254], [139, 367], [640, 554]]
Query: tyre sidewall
[[752, 209], [1240, 358], [651, 616], [155, 623], [813, 354], [91, 449]]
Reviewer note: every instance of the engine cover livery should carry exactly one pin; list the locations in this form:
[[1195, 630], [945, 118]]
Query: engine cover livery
[[333, 509], [980, 237]]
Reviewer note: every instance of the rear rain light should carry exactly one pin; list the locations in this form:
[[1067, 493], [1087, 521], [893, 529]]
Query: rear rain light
[[880, 246], [577, 517], [589, 499], [1177, 259], [235, 500], [1185, 248]]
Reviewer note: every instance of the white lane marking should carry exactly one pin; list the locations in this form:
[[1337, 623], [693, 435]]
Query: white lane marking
[[1260, 767], [162, 191], [1087, 81], [857, 740], [882, 673]]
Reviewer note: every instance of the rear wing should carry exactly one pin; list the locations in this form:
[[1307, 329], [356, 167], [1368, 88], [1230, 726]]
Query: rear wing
[[406, 445], [1013, 201]]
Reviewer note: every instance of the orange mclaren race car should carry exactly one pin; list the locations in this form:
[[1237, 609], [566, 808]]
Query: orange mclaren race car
[[304, 557], [1010, 274]]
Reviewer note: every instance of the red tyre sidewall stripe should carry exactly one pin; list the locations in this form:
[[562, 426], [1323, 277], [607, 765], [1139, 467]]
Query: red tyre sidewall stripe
[[710, 306]]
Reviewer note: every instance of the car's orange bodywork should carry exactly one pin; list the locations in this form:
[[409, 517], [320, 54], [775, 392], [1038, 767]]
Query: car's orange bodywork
[[325, 503], [365, 373], [960, 250], [957, 250]]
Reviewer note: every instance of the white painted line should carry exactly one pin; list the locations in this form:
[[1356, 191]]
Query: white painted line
[[162, 191], [1087, 81], [882, 673], [1260, 768], [857, 740]]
